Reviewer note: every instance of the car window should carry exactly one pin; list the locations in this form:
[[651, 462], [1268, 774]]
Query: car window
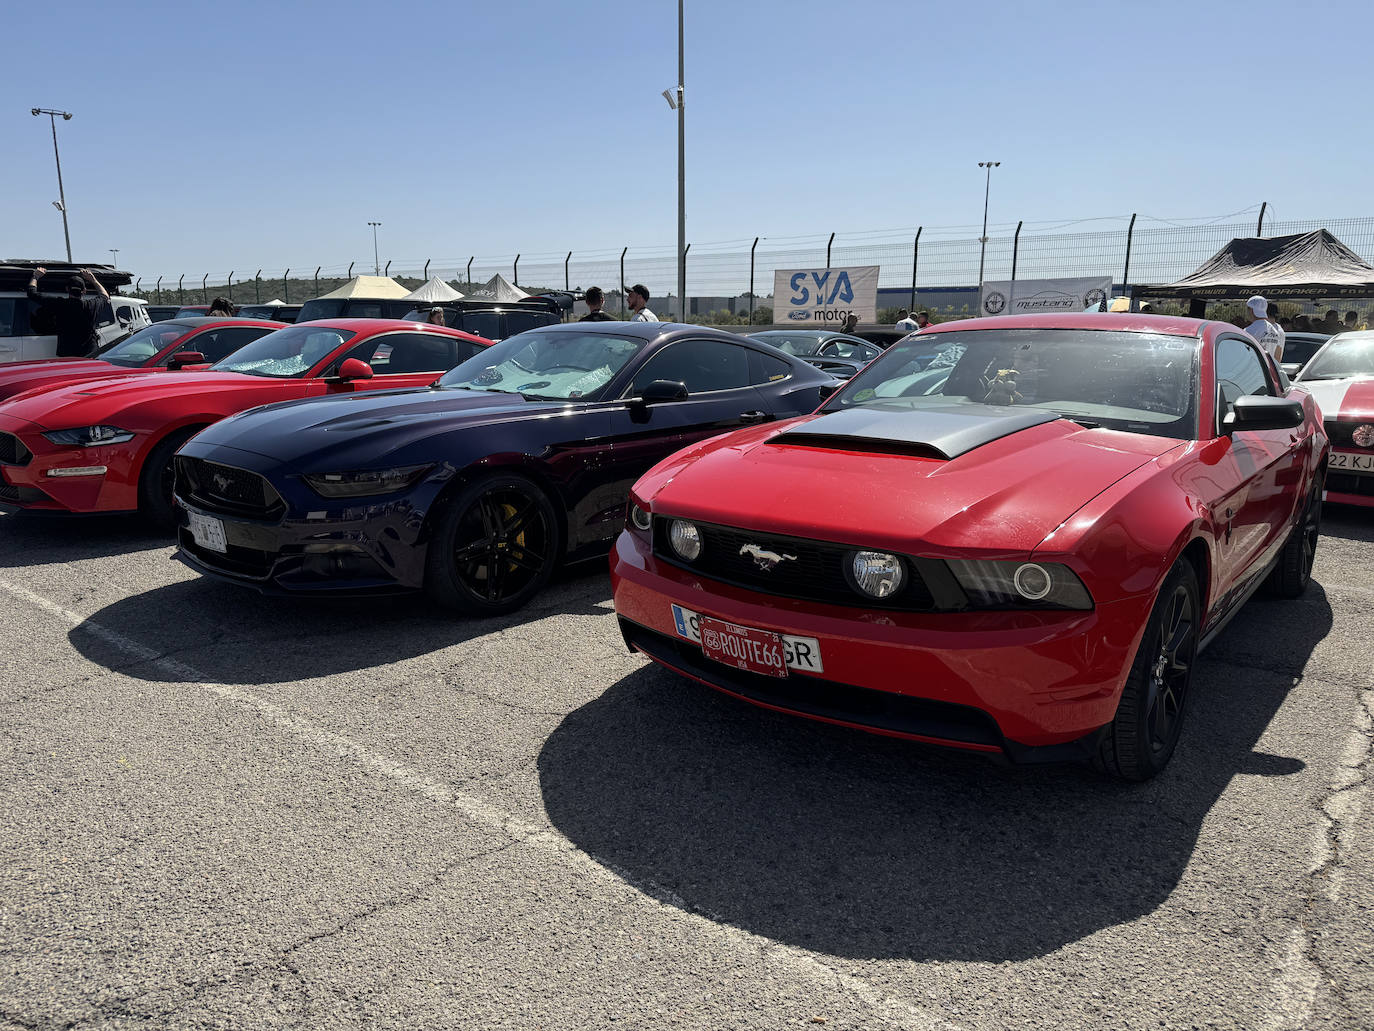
[[850, 349], [766, 368], [400, 353], [363, 310], [543, 363], [1240, 371], [218, 344], [134, 351], [702, 365], [519, 321], [483, 324], [14, 312], [285, 353], [1344, 358]]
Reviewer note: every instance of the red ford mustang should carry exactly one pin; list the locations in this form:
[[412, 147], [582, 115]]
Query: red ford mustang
[[170, 344], [1340, 377], [106, 445], [1015, 542]]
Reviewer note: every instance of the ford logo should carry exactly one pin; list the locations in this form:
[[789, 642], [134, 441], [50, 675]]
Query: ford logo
[[798, 315]]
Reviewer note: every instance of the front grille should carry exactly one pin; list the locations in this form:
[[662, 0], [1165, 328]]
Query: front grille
[[815, 573], [13, 451], [1341, 434], [1350, 483], [223, 488]]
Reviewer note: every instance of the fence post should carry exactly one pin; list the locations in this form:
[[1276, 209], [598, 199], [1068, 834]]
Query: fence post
[[350, 270], [180, 299], [827, 250], [387, 270], [751, 280], [566, 262], [1015, 253], [159, 289], [1259, 229], [425, 275], [317, 279], [471, 259], [137, 281], [286, 286], [683, 300], [622, 283], [517, 271], [204, 290], [231, 288], [1126, 272], [257, 288], [915, 254]]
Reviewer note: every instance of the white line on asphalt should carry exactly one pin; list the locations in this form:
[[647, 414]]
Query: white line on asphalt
[[492, 818]]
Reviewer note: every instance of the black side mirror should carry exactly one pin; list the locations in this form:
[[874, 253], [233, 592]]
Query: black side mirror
[[829, 390], [663, 390], [1260, 412]]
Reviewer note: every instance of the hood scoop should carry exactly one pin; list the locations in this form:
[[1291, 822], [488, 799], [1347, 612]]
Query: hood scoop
[[944, 432]]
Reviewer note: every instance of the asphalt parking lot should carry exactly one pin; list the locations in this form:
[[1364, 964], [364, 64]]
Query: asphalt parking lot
[[220, 810]]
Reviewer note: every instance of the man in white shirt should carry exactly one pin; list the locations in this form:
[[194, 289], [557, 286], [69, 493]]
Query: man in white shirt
[[637, 300], [905, 322], [1269, 334]]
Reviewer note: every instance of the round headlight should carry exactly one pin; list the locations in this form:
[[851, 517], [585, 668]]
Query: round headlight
[[877, 574], [640, 517], [1363, 435], [685, 539], [1032, 582]]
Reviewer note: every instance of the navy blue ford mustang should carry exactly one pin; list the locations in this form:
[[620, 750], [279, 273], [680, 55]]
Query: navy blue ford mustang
[[478, 486]]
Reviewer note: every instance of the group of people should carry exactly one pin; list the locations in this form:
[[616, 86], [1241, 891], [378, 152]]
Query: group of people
[[636, 299], [1330, 324], [1271, 329], [910, 323]]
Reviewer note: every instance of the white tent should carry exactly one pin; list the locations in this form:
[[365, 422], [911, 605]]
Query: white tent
[[370, 287], [275, 302], [433, 292], [497, 288]]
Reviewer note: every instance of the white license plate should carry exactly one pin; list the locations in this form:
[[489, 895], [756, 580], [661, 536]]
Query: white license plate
[[800, 653], [207, 531], [1352, 462]]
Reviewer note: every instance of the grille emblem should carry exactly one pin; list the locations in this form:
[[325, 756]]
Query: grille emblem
[[767, 561], [221, 482]]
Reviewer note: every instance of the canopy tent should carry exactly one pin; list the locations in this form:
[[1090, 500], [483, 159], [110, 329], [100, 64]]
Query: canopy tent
[[498, 289], [433, 292], [275, 302], [369, 287], [1313, 264]]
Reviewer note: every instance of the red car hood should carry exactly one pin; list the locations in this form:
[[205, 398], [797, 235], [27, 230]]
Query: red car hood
[[18, 377], [1004, 496], [88, 403]]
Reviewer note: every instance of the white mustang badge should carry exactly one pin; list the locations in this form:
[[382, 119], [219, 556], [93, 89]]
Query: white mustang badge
[[767, 561]]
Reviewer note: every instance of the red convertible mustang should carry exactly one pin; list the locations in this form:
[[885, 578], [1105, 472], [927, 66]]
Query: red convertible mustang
[[107, 445], [1015, 543], [171, 344]]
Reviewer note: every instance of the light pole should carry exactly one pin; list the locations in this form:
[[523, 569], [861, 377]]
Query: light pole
[[61, 196], [679, 105], [987, 189], [114, 257], [376, 262]]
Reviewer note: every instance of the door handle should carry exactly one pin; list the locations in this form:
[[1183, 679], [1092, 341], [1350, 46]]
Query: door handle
[[752, 417]]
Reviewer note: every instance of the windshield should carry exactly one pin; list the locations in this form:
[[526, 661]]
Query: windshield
[[320, 310], [143, 346], [1342, 359], [286, 353], [1140, 382], [559, 366], [792, 343]]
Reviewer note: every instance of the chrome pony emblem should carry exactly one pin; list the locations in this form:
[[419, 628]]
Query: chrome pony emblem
[[221, 482], [767, 561]]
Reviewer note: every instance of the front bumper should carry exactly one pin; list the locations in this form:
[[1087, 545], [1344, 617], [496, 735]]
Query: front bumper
[[1028, 685], [1351, 486], [30, 460]]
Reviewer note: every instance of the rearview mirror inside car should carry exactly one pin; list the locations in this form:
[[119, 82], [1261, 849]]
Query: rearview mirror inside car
[[661, 390], [1260, 412]]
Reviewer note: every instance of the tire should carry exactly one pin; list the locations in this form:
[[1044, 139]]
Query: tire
[[155, 481], [1141, 738], [494, 547], [1293, 571]]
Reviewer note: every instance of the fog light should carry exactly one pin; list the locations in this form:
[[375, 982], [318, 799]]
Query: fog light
[[877, 574], [1032, 582], [79, 470], [685, 539], [640, 517]]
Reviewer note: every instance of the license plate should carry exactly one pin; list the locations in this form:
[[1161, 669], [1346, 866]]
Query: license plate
[[207, 531], [1352, 462], [799, 653]]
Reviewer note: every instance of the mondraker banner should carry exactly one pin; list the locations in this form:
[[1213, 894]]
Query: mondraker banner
[[1033, 296], [825, 296]]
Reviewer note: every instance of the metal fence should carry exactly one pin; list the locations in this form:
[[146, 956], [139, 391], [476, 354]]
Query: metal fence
[[913, 259]]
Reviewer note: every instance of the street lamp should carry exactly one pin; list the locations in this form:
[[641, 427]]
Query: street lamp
[[987, 189], [61, 202], [674, 96], [376, 262], [114, 257]]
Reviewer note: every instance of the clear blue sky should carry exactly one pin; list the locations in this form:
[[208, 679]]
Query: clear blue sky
[[537, 126]]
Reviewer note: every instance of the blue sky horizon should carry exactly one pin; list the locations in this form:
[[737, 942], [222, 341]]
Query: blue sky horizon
[[270, 138]]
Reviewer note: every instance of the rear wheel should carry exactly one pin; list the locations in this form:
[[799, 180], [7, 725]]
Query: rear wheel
[[494, 547], [1293, 571], [1143, 735], [155, 481]]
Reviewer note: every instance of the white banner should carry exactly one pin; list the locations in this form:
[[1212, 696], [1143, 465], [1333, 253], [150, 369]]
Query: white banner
[[825, 296], [1034, 296]]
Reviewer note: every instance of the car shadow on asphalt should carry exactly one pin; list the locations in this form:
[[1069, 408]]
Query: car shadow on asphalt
[[29, 539], [231, 635], [866, 847], [1348, 522]]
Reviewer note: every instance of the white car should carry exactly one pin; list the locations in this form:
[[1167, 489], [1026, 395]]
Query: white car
[[23, 335]]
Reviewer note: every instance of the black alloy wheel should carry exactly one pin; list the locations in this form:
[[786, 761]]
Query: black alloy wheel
[[1142, 737], [1293, 570], [494, 547], [157, 478]]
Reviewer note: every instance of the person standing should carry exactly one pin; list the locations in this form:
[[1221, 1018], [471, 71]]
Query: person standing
[[1269, 334], [595, 298], [637, 300], [922, 319], [76, 315], [905, 322], [851, 323], [221, 307]]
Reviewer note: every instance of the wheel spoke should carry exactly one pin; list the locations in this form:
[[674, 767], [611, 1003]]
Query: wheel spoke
[[526, 560], [520, 519], [474, 550]]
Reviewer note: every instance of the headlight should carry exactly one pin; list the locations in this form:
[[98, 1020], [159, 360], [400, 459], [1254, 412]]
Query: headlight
[[365, 481], [876, 573], [685, 539], [1020, 585], [640, 518], [89, 436]]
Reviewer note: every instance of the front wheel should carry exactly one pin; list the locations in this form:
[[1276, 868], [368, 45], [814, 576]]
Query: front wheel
[[1144, 733], [155, 481], [494, 547], [1293, 571]]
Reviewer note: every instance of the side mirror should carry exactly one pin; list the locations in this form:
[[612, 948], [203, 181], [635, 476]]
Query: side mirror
[[663, 390], [1259, 412], [829, 390], [354, 368], [183, 358]]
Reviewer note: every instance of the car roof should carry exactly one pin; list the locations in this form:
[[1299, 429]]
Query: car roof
[[644, 330], [199, 321], [374, 326], [1130, 322]]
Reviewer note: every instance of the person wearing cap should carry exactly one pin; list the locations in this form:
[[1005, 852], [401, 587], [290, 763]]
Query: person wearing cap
[[595, 298], [905, 322], [435, 316], [1269, 334], [76, 315], [637, 300]]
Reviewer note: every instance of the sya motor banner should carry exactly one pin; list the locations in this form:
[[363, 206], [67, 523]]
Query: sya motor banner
[[1033, 296], [825, 296]]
